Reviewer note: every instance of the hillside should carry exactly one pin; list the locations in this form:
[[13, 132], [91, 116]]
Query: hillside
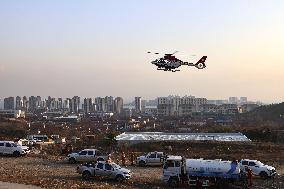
[[273, 112]]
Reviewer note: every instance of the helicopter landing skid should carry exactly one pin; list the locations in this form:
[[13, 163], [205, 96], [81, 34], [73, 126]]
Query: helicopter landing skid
[[175, 70]]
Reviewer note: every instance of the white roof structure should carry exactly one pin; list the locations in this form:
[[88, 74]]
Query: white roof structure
[[160, 136]]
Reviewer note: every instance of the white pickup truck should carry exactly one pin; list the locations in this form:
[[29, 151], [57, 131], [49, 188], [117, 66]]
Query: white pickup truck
[[152, 158], [86, 155], [258, 168], [11, 148], [103, 169]]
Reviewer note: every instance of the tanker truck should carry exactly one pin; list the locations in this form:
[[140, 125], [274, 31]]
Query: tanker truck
[[202, 173]]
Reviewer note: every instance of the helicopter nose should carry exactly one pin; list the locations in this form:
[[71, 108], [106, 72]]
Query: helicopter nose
[[154, 62]]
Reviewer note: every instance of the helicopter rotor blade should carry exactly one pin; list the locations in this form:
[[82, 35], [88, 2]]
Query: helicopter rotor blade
[[175, 52], [149, 52]]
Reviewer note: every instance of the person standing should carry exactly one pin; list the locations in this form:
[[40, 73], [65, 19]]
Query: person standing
[[132, 158], [123, 158], [249, 176]]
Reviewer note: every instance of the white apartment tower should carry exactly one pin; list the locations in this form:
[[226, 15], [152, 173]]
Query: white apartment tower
[[138, 104]]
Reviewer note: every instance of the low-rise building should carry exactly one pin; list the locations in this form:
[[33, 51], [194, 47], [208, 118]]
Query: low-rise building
[[143, 137], [12, 114], [228, 109]]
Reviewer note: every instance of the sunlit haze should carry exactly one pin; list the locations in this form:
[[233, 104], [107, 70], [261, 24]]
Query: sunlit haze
[[99, 48]]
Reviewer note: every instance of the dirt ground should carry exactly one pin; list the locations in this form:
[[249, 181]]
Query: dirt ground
[[52, 173], [55, 172], [7, 185]]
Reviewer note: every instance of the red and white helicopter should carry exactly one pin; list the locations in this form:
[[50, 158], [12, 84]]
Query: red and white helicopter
[[171, 63]]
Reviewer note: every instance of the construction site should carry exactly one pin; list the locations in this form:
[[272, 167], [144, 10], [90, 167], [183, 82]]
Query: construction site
[[47, 163]]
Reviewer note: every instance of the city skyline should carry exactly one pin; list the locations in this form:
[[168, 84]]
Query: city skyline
[[93, 48], [231, 99], [109, 105], [132, 99]]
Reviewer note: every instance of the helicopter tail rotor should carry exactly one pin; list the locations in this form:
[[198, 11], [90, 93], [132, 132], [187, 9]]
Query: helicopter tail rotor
[[201, 63]]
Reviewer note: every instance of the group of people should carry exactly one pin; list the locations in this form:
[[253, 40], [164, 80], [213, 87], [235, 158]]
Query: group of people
[[123, 158], [131, 158]]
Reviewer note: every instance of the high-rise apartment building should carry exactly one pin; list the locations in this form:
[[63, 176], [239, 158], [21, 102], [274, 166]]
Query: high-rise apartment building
[[66, 105], [19, 103], [25, 104], [179, 106], [60, 104], [118, 105], [138, 105], [100, 104], [32, 103], [88, 104], [38, 102], [48, 103], [9, 103], [143, 105], [109, 102], [75, 104]]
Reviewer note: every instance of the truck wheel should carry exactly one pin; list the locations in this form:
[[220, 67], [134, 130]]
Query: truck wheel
[[221, 184], [142, 163], [173, 182], [86, 175], [119, 178], [100, 159], [72, 160], [16, 153], [263, 175]]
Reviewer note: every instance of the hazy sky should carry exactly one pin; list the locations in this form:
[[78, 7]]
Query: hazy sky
[[98, 48]]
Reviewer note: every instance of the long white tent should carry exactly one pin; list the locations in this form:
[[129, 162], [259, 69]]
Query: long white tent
[[137, 137]]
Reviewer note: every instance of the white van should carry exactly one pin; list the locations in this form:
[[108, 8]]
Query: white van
[[11, 148]]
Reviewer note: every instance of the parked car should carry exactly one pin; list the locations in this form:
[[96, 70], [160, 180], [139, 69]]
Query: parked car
[[86, 155], [103, 169], [152, 158], [258, 168], [11, 148]]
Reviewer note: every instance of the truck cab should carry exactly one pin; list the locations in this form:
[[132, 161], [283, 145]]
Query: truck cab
[[258, 168], [173, 168], [152, 158]]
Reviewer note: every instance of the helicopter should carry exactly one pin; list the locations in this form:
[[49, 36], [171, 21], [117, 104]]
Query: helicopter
[[170, 63]]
